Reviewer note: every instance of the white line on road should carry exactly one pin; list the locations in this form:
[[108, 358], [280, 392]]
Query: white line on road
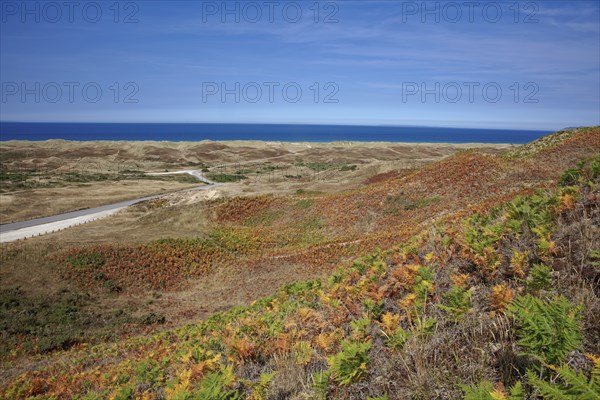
[[41, 226], [50, 227]]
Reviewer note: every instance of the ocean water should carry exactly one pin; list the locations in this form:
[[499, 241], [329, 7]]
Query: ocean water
[[267, 132]]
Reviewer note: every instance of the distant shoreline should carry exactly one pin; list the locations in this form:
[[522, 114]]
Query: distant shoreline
[[267, 142], [278, 133]]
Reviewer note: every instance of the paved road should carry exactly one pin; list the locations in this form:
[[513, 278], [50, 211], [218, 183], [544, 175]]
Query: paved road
[[41, 226]]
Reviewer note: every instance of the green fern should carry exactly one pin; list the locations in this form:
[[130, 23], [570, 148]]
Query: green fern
[[585, 170], [260, 389], [321, 384], [350, 364], [570, 177], [360, 328], [517, 392], [574, 385], [535, 213], [595, 167], [216, 386], [547, 329], [458, 302], [373, 308], [482, 391], [540, 277], [485, 391], [481, 233], [595, 256], [397, 339]]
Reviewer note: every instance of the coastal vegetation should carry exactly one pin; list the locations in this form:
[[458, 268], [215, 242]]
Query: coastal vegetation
[[467, 278]]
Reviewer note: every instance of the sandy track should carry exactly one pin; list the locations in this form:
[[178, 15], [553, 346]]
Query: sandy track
[[195, 173]]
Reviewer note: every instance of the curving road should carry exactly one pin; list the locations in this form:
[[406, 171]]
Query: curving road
[[42, 226]]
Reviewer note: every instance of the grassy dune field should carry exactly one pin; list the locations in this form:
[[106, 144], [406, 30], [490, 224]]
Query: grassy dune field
[[45, 178]]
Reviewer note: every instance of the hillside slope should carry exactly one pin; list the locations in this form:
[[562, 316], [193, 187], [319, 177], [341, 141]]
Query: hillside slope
[[458, 254]]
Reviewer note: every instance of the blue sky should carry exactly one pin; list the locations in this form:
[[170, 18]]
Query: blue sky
[[372, 58]]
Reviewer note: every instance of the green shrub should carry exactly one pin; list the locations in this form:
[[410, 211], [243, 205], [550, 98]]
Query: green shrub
[[319, 166], [224, 178], [585, 170], [595, 167], [350, 364], [547, 329], [570, 177]]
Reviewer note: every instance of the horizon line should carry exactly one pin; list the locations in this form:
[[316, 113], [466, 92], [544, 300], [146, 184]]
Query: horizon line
[[288, 124]]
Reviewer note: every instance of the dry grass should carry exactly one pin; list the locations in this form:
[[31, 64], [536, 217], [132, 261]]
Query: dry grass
[[478, 347], [58, 156], [106, 155], [432, 367], [36, 203]]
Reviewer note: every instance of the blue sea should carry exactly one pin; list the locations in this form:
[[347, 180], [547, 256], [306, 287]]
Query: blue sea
[[267, 132]]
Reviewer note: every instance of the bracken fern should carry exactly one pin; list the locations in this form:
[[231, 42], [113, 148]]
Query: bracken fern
[[574, 385], [547, 329], [350, 364]]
